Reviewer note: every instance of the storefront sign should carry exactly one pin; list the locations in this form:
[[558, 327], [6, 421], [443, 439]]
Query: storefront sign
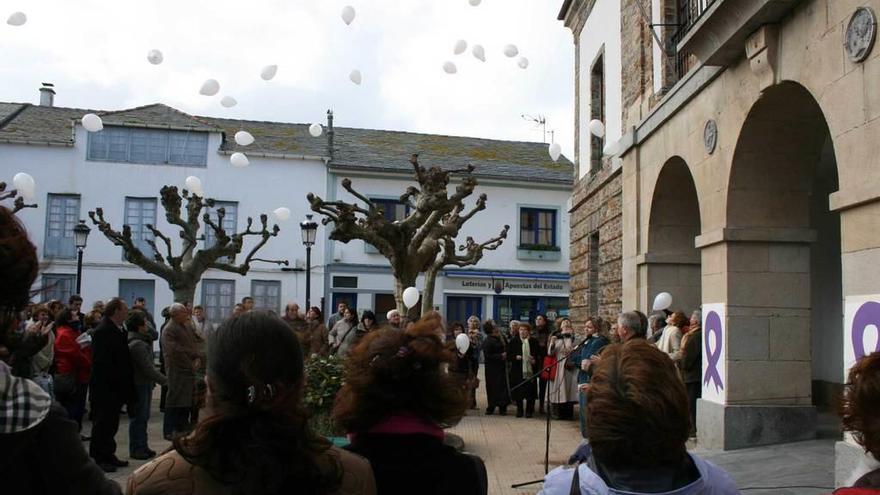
[[507, 285]]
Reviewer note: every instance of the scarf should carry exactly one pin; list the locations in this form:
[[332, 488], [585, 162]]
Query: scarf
[[527, 353], [406, 424]]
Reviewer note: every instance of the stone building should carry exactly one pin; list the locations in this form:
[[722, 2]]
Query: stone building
[[751, 131]]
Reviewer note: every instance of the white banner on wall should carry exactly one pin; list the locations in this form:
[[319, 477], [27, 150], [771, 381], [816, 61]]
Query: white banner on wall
[[861, 329], [714, 352]]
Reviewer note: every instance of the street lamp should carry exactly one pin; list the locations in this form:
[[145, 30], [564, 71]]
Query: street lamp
[[80, 236], [309, 231]]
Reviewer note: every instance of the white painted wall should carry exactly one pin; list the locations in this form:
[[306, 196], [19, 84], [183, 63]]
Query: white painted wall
[[601, 31], [263, 186]]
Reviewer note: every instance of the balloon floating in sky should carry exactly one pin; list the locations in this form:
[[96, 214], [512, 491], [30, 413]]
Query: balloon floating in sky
[[282, 214], [460, 47], [479, 52], [210, 87], [228, 102], [269, 72], [474, 3], [316, 130], [597, 128], [239, 159], [555, 151], [25, 185], [243, 138], [348, 15], [155, 57], [355, 77], [194, 185], [511, 50], [17, 19], [523, 63], [92, 122], [450, 68], [410, 297]]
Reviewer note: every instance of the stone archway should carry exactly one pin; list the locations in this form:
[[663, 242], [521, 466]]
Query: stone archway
[[782, 283], [672, 261]]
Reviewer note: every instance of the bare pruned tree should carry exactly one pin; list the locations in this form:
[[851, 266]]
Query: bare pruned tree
[[19, 203], [183, 271], [424, 241]]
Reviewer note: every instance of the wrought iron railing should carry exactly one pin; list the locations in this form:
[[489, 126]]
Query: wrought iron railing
[[689, 13]]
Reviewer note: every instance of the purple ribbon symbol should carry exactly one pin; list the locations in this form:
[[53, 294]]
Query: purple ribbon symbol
[[868, 314], [713, 326]]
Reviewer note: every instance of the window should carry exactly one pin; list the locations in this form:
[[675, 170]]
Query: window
[[345, 282], [59, 287], [229, 224], [61, 216], [149, 146], [266, 294], [394, 210], [593, 283], [218, 298], [140, 212], [597, 110], [537, 228]]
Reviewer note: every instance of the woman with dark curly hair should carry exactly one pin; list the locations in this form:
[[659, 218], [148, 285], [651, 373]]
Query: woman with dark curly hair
[[253, 437], [860, 413], [395, 402]]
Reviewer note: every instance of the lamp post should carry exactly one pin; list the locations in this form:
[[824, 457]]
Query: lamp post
[[309, 231], [80, 236]]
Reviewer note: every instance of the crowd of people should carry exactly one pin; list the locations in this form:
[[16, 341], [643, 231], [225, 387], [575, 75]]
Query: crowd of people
[[233, 404]]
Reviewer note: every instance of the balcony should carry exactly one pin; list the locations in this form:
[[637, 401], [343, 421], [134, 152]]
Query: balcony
[[715, 31]]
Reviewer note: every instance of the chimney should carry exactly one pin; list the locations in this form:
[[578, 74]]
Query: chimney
[[330, 133], [47, 95]]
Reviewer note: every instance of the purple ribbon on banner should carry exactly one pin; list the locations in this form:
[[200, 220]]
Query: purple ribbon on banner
[[868, 314], [713, 326]]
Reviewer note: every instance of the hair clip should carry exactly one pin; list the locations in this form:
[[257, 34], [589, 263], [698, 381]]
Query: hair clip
[[403, 351]]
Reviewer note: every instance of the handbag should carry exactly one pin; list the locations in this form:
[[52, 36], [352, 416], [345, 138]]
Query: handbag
[[548, 373]]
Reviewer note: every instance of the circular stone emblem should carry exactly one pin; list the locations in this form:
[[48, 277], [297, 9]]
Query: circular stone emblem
[[710, 136], [860, 34]]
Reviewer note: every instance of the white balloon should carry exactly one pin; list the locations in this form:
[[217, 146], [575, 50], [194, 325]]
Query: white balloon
[[355, 77], [16, 19], [282, 214], [348, 14], [449, 68], [410, 297], [555, 150], [239, 159], [662, 301], [155, 57], [316, 130], [463, 343], [523, 63], [460, 47], [479, 52], [25, 185], [474, 2], [228, 102], [611, 149], [243, 138], [209, 87], [597, 128], [511, 50], [194, 185], [92, 122], [269, 72]]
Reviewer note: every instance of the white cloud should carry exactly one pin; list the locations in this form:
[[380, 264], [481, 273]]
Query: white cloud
[[95, 53]]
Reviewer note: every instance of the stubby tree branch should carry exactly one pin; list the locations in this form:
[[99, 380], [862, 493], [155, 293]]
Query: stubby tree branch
[[18, 203]]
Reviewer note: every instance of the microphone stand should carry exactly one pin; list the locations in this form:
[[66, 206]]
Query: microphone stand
[[549, 407]]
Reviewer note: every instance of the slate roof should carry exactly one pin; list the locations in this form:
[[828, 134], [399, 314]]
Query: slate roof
[[354, 149]]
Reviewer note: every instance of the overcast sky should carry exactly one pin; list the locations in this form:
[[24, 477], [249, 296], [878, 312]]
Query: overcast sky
[[94, 51]]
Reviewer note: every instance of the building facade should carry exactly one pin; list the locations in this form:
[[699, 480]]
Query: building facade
[[750, 189], [123, 167]]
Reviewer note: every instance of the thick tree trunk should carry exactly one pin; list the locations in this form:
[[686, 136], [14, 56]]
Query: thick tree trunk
[[428, 293], [184, 294], [401, 282]]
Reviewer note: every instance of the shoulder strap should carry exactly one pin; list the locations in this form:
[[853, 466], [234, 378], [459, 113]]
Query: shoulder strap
[[576, 481]]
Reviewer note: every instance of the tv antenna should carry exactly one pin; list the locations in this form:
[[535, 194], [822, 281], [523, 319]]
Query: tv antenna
[[539, 120]]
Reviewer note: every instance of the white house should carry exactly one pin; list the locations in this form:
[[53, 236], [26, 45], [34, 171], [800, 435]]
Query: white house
[[123, 167]]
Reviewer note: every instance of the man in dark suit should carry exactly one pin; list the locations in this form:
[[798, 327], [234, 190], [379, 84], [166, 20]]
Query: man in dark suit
[[112, 383]]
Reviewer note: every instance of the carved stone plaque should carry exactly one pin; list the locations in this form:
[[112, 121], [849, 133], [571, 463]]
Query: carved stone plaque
[[860, 34], [710, 136]]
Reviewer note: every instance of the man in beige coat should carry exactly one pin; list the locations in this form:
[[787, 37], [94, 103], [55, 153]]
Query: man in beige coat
[[183, 356]]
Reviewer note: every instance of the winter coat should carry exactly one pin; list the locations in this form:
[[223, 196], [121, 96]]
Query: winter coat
[[204, 328], [565, 387], [691, 362], [864, 479], [181, 347], [70, 357], [315, 339], [112, 374], [595, 344], [40, 449], [495, 372], [528, 391], [343, 337], [670, 341], [140, 346], [712, 481], [42, 361]]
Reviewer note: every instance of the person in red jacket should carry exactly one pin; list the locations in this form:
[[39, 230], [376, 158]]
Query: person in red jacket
[[860, 414], [73, 365]]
